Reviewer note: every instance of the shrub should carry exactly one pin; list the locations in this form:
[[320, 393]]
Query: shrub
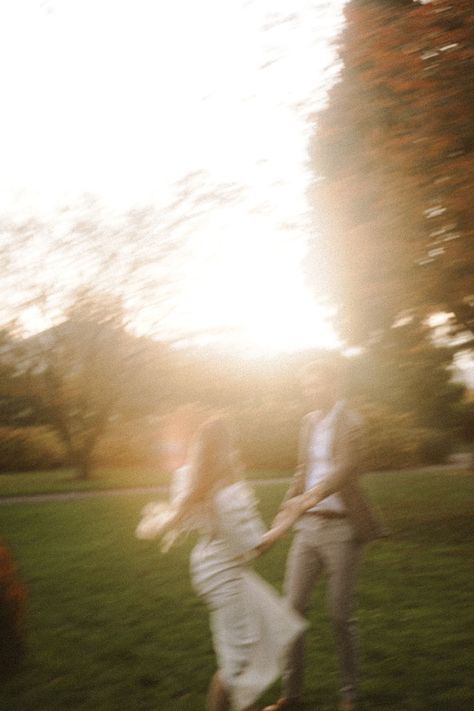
[[28, 448], [435, 447], [394, 441], [12, 612], [465, 421]]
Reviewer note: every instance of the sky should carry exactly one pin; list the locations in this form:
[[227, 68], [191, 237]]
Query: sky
[[123, 98]]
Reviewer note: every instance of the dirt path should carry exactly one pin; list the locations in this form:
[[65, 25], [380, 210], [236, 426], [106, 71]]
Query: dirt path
[[96, 493]]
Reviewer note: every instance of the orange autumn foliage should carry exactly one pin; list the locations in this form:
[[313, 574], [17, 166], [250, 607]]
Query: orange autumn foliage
[[395, 148]]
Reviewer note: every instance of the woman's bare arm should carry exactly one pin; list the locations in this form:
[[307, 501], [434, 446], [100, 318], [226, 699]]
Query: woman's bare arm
[[290, 512], [281, 524], [158, 519]]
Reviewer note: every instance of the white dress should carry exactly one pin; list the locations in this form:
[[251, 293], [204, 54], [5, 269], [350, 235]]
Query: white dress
[[252, 626]]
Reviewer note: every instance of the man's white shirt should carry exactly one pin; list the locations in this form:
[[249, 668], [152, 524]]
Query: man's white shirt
[[320, 459]]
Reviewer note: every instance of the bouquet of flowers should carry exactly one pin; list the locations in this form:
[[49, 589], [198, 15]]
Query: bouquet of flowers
[[154, 522]]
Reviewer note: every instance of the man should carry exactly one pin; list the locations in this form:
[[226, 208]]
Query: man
[[330, 534]]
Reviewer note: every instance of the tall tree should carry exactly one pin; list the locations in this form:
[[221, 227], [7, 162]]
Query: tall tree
[[407, 373], [85, 372], [395, 151]]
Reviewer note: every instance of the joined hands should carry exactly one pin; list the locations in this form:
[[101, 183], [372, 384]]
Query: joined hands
[[289, 513]]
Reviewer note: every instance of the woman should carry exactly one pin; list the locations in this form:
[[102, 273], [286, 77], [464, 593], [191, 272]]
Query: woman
[[252, 627]]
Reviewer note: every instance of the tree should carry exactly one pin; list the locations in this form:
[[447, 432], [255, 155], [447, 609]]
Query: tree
[[395, 149], [93, 280], [95, 274], [86, 371], [134, 255], [405, 372]]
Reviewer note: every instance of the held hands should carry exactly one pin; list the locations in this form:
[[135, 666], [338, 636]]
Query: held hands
[[288, 514], [283, 521]]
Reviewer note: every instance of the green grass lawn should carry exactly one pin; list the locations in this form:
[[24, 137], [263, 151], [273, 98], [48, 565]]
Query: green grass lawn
[[114, 625], [64, 479]]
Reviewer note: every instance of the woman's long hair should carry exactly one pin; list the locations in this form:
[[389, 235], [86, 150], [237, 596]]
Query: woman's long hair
[[213, 459]]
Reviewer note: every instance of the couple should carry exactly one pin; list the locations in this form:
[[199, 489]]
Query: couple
[[257, 634]]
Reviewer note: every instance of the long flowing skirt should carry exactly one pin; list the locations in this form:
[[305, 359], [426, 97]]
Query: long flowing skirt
[[252, 629]]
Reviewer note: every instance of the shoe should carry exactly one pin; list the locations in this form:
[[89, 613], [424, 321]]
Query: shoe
[[285, 705]]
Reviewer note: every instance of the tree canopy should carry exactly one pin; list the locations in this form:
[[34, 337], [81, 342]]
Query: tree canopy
[[393, 158]]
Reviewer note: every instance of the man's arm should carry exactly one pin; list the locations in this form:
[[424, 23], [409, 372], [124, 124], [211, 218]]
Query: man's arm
[[297, 482], [282, 523], [345, 466], [290, 506]]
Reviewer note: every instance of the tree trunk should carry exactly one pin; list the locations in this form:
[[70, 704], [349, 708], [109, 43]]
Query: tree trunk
[[83, 465]]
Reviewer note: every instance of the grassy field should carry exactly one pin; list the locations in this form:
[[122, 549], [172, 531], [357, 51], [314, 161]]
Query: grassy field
[[64, 480], [113, 625]]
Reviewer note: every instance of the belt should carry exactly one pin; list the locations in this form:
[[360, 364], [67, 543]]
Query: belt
[[327, 514]]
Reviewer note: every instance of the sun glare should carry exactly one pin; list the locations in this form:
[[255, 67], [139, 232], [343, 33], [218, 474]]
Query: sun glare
[[243, 284], [163, 90]]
